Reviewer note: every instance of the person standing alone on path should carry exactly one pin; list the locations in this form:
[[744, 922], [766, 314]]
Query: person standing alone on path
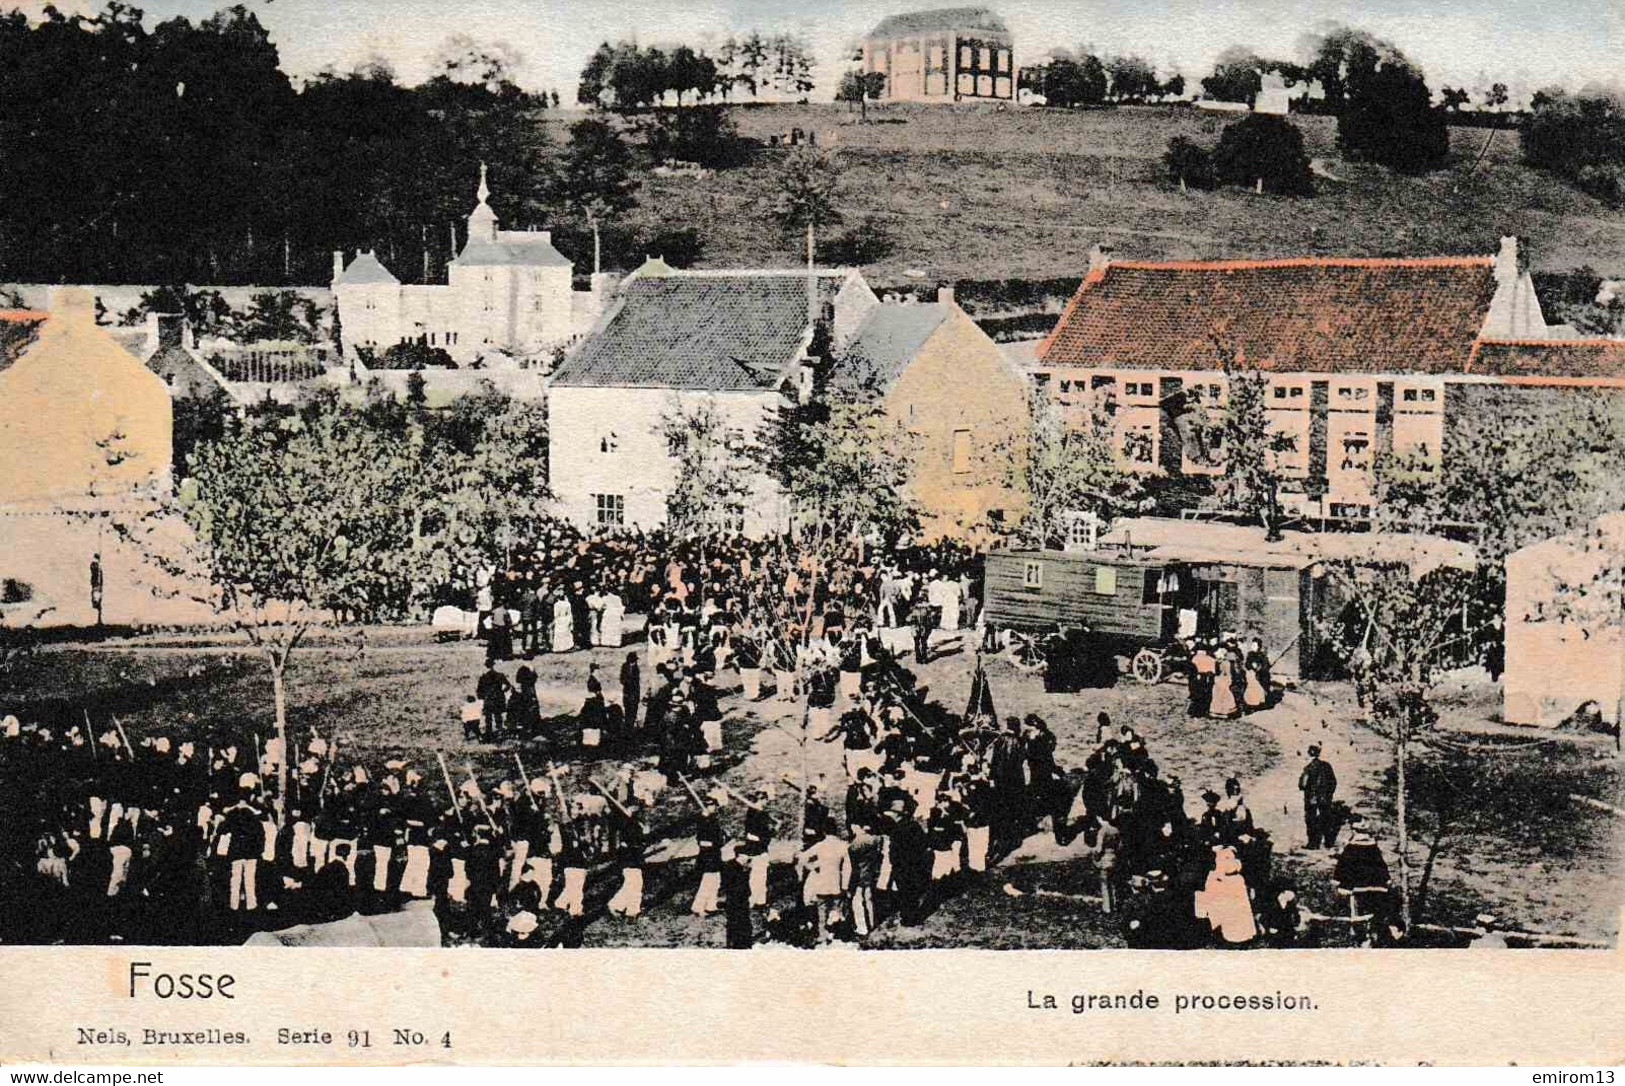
[[1318, 784], [98, 583]]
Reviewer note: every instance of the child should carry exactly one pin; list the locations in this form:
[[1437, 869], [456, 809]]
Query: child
[[473, 713]]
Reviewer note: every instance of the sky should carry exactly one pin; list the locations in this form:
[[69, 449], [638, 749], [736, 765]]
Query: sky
[[1525, 43]]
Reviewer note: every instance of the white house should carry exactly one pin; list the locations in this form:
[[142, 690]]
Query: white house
[[672, 339], [508, 292]]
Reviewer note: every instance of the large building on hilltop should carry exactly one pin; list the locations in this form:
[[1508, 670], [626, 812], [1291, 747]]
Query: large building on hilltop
[[508, 292], [943, 55], [1360, 356]]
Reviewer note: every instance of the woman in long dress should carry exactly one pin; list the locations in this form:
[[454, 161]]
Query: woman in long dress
[[1224, 694], [611, 618], [1223, 902], [564, 638], [1257, 665]]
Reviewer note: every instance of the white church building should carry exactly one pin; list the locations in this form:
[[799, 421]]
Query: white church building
[[507, 293]]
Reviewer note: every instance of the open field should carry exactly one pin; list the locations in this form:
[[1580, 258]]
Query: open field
[[1521, 849], [970, 193]]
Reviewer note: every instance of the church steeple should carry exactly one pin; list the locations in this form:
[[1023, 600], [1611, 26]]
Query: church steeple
[[482, 221]]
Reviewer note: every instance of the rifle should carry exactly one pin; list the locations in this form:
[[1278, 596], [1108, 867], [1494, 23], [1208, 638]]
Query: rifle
[[524, 782], [445, 775], [327, 772], [479, 796], [601, 790], [689, 788], [90, 735], [740, 798], [124, 736]]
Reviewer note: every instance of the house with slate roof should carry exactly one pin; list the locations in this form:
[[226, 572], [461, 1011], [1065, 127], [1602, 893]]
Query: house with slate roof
[[943, 379], [669, 340], [1360, 355], [943, 55], [507, 293]]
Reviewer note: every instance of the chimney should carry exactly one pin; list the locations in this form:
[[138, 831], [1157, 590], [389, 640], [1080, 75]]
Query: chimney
[[945, 295], [1506, 262], [73, 303], [338, 264], [171, 330], [1100, 257]]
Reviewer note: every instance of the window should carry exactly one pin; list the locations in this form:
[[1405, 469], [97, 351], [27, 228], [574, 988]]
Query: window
[[1139, 445], [962, 452], [609, 510], [1105, 581], [1410, 395], [1356, 451], [1139, 388], [987, 59], [1004, 60], [964, 56], [1280, 393], [1430, 395], [1032, 575], [935, 57], [1356, 394], [609, 442]]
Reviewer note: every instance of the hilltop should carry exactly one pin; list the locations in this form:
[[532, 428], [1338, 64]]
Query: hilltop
[[968, 192]]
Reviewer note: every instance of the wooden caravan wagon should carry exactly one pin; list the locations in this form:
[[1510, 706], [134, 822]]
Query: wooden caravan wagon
[[1151, 581], [1129, 604]]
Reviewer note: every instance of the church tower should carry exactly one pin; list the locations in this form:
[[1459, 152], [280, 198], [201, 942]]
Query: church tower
[[482, 221]]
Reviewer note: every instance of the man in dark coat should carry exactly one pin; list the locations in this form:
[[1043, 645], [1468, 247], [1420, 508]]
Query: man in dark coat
[[1318, 783], [631, 690], [492, 689], [911, 867], [736, 902]]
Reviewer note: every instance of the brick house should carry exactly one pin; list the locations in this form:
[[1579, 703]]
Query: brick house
[[1360, 355], [940, 376], [943, 55]]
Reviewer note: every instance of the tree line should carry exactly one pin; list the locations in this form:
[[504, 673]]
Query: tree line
[[185, 153], [628, 76]]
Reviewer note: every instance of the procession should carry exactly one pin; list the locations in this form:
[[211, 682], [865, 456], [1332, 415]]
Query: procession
[[628, 800]]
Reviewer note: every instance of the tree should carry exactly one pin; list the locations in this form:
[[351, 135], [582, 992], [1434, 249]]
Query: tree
[[1066, 82], [1237, 76], [753, 53], [1188, 163], [704, 134], [297, 523], [1453, 98], [1496, 96], [491, 65], [711, 488], [1580, 138], [1174, 87], [1384, 109], [595, 179], [858, 86], [808, 194], [593, 86], [1132, 78], [1264, 152], [1068, 468], [279, 316], [1248, 448]]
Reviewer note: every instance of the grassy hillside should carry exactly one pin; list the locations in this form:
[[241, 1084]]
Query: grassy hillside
[[969, 193]]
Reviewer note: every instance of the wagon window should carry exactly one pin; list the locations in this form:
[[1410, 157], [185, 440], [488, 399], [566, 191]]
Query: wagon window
[[1032, 575], [1105, 581]]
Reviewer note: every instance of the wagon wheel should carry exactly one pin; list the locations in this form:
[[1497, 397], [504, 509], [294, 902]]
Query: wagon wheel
[[1027, 652], [1147, 666]]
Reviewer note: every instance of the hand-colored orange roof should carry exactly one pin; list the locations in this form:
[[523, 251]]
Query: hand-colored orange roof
[[1316, 315], [1550, 360]]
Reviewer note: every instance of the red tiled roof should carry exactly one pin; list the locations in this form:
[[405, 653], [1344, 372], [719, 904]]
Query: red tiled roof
[[1551, 361], [1309, 315]]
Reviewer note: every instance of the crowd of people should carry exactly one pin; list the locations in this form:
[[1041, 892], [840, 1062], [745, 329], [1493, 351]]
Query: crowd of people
[[158, 841]]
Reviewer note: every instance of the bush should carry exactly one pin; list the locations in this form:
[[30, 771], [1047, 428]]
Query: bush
[[706, 135], [1263, 147], [867, 243], [1581, 138], [413, 355], [1389, 119], [1188, 163]]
